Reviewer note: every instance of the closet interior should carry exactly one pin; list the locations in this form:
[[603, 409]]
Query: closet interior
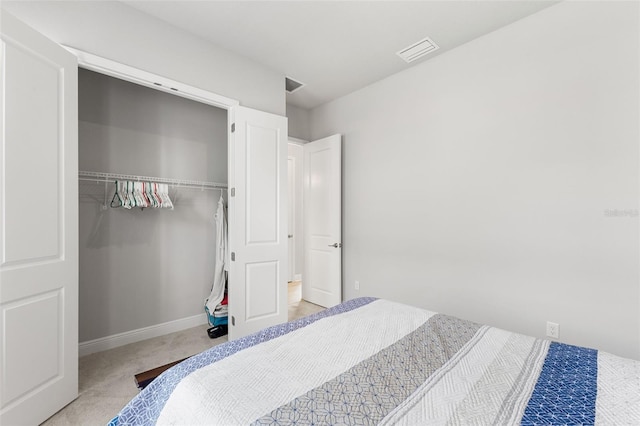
[[143, 266]]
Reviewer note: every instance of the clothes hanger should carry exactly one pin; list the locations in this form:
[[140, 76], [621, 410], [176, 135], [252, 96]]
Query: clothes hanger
[[116, 195], [156, 194], [138, 192], [127, 189], [132, 195], [165, 194], [153, 202]]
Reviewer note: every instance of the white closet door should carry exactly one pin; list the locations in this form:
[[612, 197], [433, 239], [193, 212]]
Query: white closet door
[[257, 221], [38, 226]]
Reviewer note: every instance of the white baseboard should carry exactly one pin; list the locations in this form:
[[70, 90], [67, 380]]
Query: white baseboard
[[121, 339]]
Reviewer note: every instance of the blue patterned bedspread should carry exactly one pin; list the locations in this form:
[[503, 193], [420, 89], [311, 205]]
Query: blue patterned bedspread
[[371, 361], [146, 406]]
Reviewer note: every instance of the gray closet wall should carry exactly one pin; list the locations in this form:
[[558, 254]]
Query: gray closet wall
[[143, 268]]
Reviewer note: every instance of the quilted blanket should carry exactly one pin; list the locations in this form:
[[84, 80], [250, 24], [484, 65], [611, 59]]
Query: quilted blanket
[[370, 361]]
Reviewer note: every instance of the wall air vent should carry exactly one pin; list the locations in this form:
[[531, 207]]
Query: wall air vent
[[292, 85], [418, 50]]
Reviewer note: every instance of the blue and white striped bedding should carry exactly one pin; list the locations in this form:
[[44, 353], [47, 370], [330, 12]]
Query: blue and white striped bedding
[[370, 361]]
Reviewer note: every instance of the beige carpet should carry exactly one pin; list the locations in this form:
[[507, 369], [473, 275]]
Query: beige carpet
[[106, 380]]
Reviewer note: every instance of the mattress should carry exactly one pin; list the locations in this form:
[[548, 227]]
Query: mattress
[[372, 361]]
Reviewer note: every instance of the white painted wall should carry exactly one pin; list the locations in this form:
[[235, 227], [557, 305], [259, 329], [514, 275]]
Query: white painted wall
[[298, 122], [480, 183], [143, 268], [116, 31]]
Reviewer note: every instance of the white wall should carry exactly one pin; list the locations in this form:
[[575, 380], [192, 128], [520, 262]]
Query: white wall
[[121, 33], [479, 183], [143, 268], [298, 122]]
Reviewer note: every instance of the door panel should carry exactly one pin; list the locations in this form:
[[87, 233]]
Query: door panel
[[35, 86], [322, 282], [27, 314], [262, 186], [257, 221], [262, 290], [38, 226]]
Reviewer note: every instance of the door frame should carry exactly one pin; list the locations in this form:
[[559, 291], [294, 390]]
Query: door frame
[[134, 75], [119, 70], [292, 222], [298, 213]]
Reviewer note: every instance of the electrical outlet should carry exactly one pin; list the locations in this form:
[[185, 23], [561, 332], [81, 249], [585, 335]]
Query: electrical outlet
[[553, 329], [356, 285]]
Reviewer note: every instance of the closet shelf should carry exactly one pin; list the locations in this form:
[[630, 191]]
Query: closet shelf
[[180, 183]]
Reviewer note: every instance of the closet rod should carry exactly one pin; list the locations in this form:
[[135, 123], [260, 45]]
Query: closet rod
[[112, 177]]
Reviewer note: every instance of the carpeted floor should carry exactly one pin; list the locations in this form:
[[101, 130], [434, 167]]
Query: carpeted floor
[[106, 379]]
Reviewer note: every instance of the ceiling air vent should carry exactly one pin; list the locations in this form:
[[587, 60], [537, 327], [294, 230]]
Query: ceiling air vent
[[292, 85], [418, 50]]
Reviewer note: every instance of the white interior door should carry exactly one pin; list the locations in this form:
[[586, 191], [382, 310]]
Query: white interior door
[[38, 226], [322, 282], [257, 221]]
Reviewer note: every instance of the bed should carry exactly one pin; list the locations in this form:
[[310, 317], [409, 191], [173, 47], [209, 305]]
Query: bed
[[373, 361]]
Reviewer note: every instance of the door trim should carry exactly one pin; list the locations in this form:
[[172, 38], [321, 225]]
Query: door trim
[[131, 74], [154, 81], [297, 141]]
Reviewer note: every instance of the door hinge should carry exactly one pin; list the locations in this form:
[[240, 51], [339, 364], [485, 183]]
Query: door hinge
[[233, 127], [233, 320], [233, 256], [233, 192]]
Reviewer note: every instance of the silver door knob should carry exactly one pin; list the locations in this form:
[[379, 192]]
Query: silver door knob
[[335, 245]]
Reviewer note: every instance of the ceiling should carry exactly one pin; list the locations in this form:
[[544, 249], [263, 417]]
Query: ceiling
[[336, 47]]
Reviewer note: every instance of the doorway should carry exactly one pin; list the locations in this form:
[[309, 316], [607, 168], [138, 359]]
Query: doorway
[[296, 225], [126, 129]]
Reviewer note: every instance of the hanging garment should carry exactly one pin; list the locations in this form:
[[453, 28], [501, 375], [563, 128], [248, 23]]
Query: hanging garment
[[217, 292], [227, 253]]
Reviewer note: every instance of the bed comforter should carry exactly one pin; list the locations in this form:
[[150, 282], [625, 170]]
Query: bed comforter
[[371, 361]]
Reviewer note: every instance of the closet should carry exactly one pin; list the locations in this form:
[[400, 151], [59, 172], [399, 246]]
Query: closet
[[143, 267]]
